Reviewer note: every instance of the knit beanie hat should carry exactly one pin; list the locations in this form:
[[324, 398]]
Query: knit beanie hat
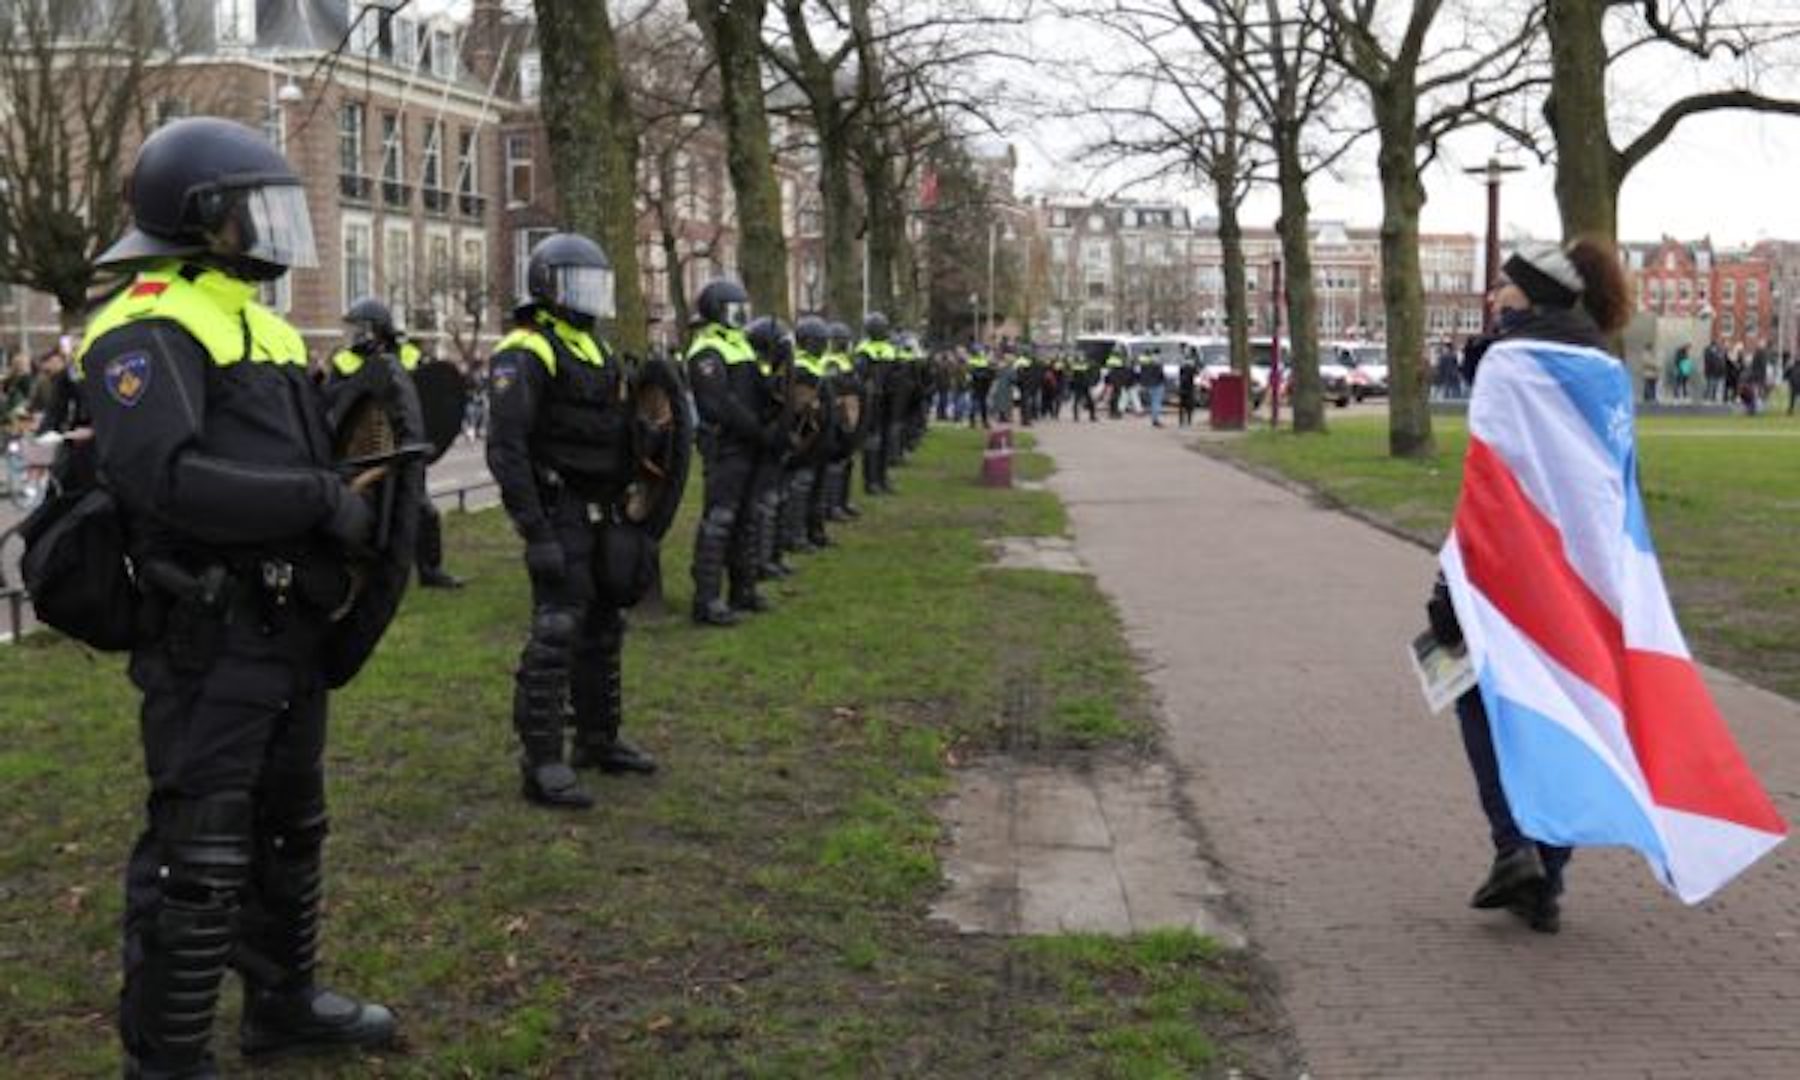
[[1545, 275]]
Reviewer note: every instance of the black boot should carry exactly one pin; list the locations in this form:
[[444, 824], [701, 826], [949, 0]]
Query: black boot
[[710, 545], [598, 694], [539, 695], [308, 1018], [795, 510], [767, 515], [1515, 874]]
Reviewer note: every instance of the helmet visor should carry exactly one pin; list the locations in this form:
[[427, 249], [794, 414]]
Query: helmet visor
[[586, 290], [736, 314], [276, 227]]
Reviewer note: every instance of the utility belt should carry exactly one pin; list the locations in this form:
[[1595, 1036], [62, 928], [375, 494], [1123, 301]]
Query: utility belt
[[266, 595]]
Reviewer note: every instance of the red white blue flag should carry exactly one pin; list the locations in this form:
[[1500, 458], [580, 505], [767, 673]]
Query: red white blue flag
[[1604, 729]]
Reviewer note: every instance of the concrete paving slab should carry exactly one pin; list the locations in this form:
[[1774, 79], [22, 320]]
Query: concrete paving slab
[[1053, 553], [1345, 822], [1039, 849]]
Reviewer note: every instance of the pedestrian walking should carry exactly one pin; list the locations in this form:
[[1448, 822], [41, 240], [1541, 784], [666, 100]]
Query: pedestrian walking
[[1650, 369]]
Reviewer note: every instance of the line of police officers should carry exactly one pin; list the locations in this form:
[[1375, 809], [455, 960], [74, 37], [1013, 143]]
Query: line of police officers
[[265, 559]]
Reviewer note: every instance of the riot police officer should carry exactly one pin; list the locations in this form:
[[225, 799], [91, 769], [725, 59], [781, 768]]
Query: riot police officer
[[731, 397], [559, 447], [812, 342], [875, 361], [774, 347], [212, 439], [374, 337], [839, 474]]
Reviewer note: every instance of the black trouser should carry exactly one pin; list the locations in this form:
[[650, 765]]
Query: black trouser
[[430, 550], [979, 391], [1478, 743], [1083, 399], [569, 670], [875, 448], [1188, 403], [230, 864], [766, 490], [725, 540]]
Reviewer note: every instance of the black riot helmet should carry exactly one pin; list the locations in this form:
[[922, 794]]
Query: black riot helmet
[[812, 334], [371, 323], [216, 190], [770, 338], [725, 303], [876, 327], [839, 335], [570, 275]]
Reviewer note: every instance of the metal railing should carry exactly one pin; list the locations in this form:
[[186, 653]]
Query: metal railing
[[14, 598]]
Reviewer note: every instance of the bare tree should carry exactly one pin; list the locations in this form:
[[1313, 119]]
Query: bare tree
[[1420, 91], [586, 108], [1169, 112], [734, 32], [1591, 166], [1287, 78], [76, 80]]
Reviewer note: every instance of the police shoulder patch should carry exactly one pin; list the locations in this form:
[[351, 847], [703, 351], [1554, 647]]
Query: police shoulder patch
[[127, 378], [503, 373]]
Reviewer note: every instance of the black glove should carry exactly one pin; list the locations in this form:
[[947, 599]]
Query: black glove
[[352, 523], [1442, 613], [544, 560]]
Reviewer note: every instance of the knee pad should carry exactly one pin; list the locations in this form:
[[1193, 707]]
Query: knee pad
[[293, 819], [719, 519], [553, 626], [205, 845]]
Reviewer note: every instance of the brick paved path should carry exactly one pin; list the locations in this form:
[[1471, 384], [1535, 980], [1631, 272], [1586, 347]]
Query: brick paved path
[[1346, 821]]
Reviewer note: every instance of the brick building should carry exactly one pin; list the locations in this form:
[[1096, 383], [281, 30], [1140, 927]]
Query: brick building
[[1738, 291], [1131, 267]]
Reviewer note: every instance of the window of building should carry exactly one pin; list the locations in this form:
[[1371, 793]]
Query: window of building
[[359, 251], [523, 241], [1728, 291], [404, 33], [472, 275], [1655, 292], [531, 76], [350, 139], [393, 156], [518, 169], [396, 269], [1686, 285], [1096, 222], [1727, 325], [1096, 290], [468, 168], [1059, 219], [1751, 325], [443, 54], [431, 173], [1752, 293], [234, 22], [440, 274], [1059, 249]]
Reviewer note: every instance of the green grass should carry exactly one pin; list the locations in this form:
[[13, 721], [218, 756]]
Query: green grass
[[1723, 495], [757, 909]]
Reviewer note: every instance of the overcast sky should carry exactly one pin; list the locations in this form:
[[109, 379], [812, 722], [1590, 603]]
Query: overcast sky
[[1728, 176]]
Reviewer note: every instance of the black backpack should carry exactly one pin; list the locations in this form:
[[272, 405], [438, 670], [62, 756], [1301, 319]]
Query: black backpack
[[76, 566]]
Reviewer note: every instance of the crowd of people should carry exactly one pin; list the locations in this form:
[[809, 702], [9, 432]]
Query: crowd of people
[[1747, 378]]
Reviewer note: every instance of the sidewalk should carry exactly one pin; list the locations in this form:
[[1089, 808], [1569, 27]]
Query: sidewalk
[[1345, 818]]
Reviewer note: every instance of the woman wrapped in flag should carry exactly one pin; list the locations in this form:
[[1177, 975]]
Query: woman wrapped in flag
[[1591, 724]]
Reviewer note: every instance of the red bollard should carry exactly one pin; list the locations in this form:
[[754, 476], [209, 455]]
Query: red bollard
[[996, 461]]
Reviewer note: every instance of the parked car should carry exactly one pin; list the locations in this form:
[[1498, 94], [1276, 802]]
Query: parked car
[[1334, 378], [1215, 360], [1367, 364]]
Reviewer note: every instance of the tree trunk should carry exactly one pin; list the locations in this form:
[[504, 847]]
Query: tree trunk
[[734, 30], [593, 146], [882, 235], [1237, 292], [1302, 305], [1589, 170], [1402, 288], [837, 190], [671, 243]]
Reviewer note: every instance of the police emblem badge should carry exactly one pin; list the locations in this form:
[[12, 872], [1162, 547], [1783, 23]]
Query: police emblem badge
[[127, 377], [503, 374]]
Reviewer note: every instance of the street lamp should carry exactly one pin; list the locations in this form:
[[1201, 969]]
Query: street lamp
[[1492, 172]]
